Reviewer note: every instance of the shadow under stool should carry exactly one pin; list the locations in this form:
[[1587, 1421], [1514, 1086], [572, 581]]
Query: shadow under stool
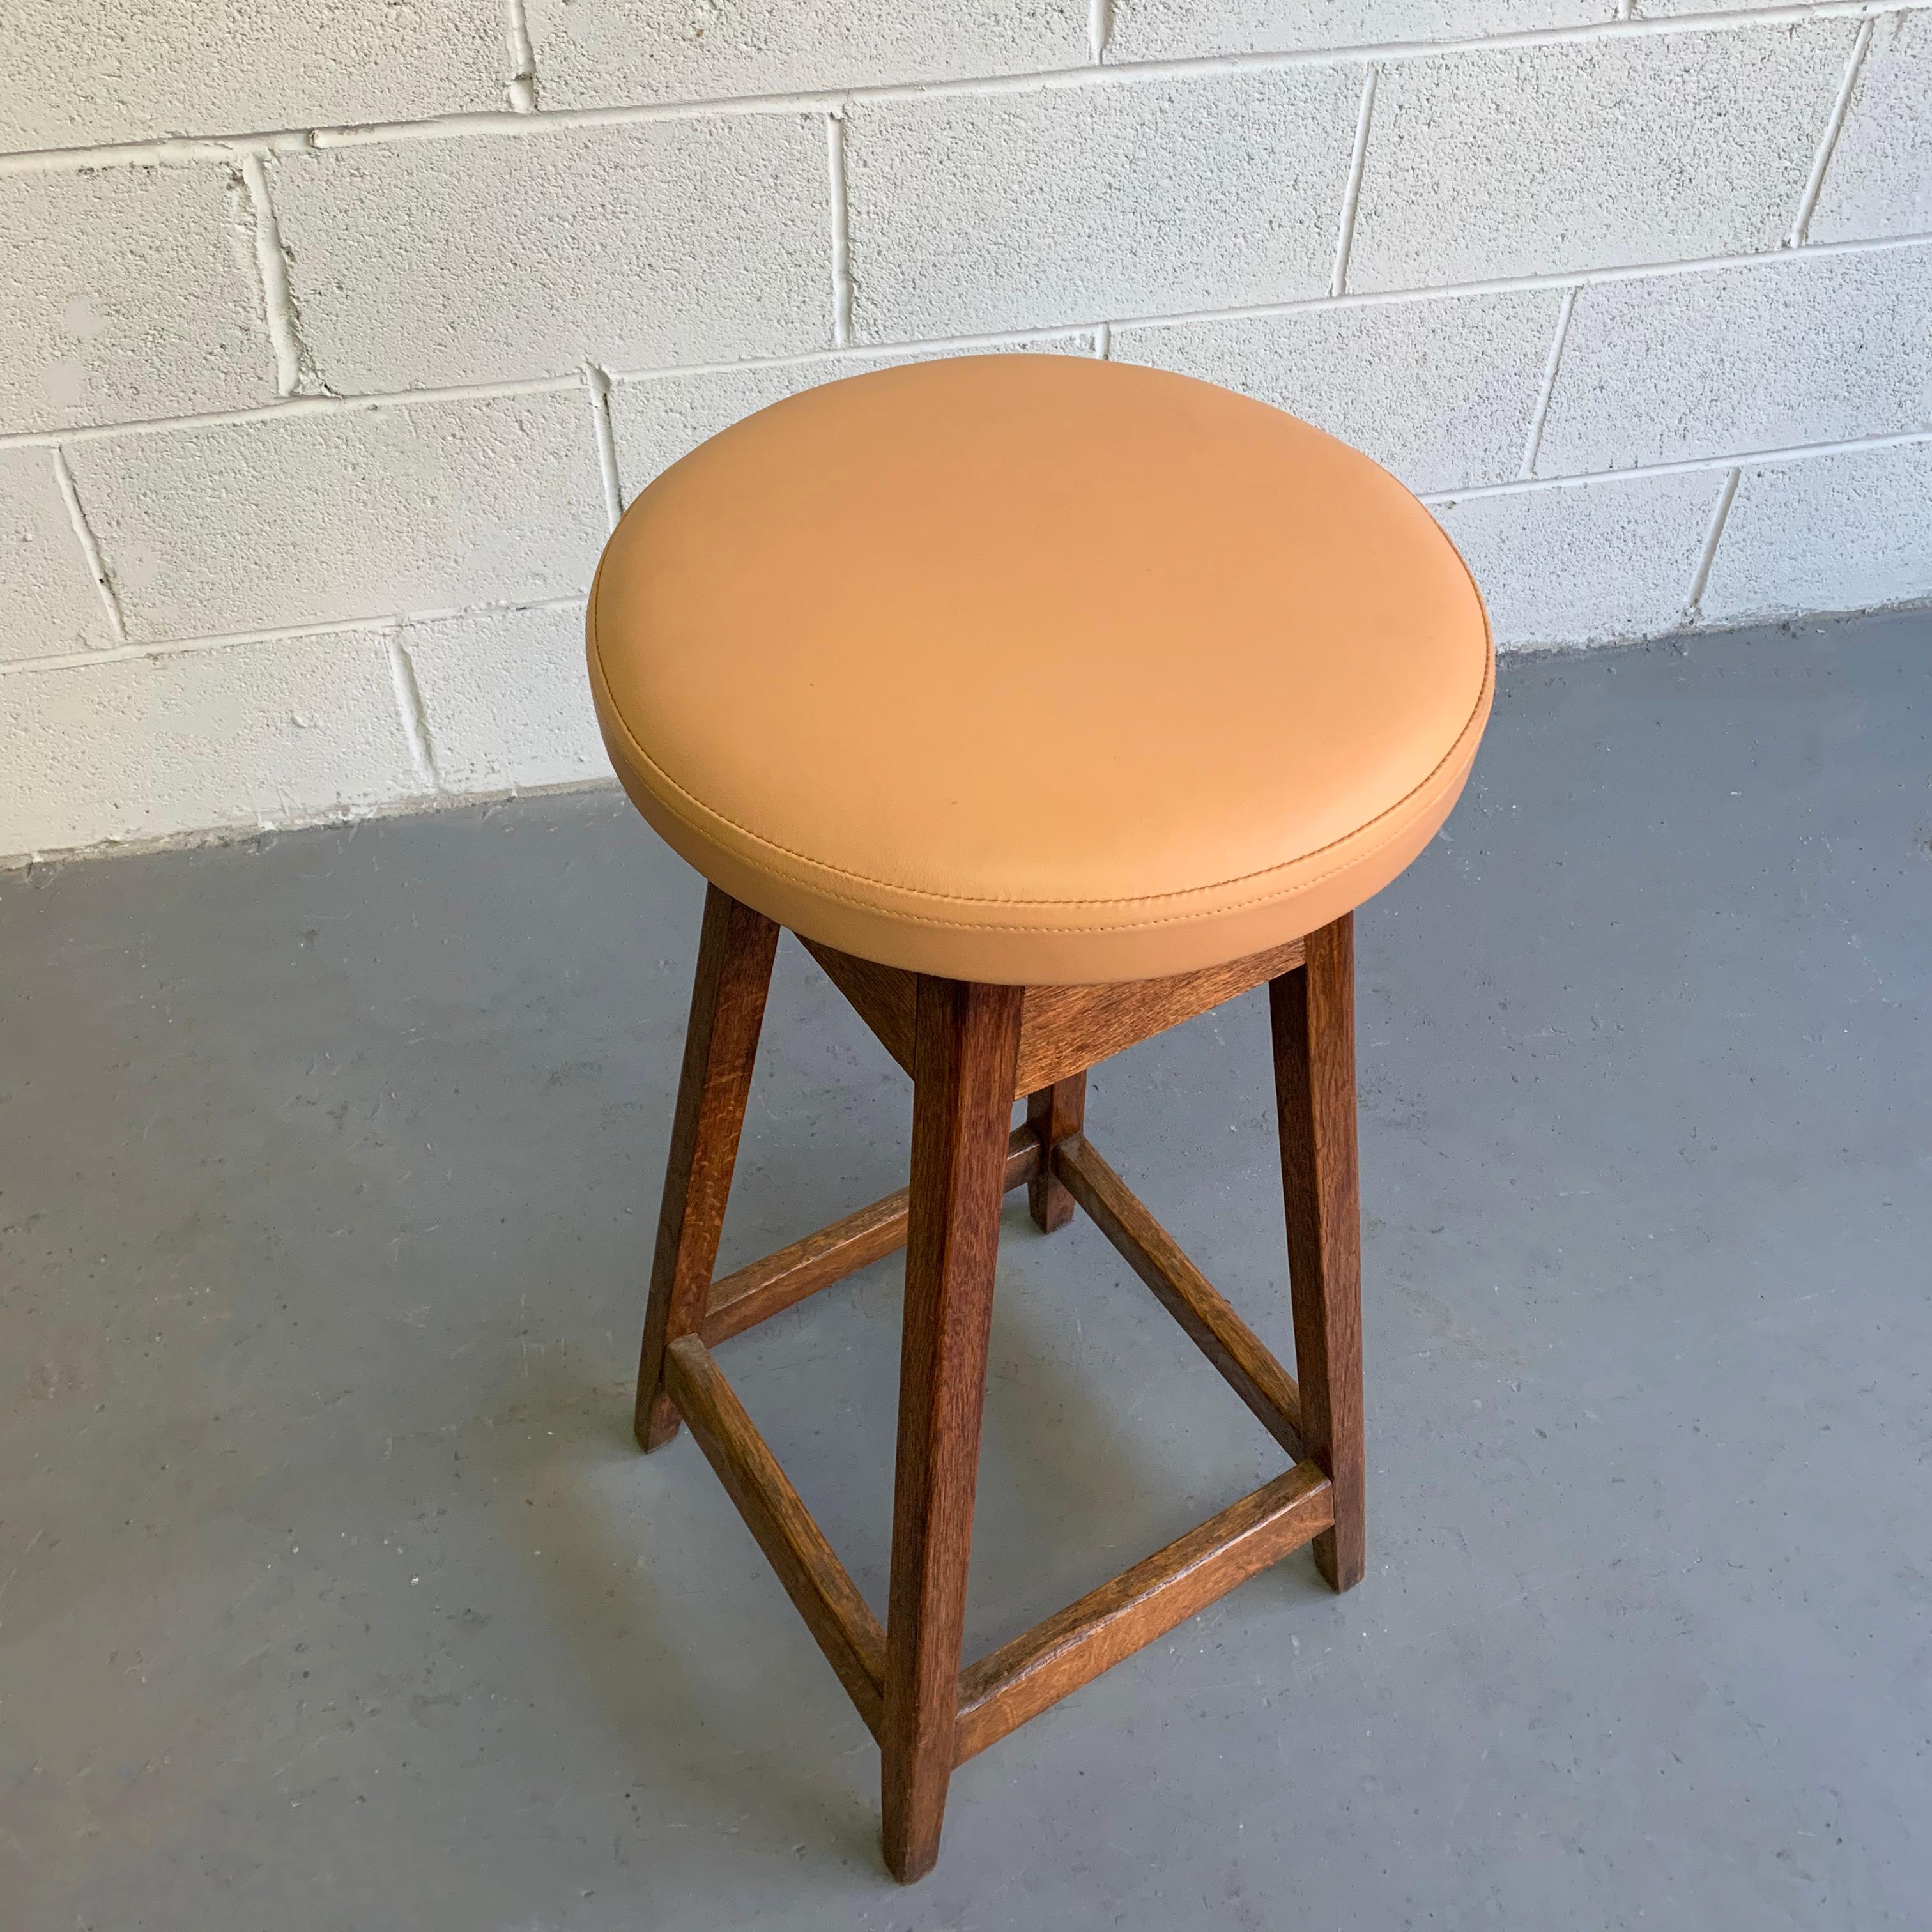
[[1050, 702]]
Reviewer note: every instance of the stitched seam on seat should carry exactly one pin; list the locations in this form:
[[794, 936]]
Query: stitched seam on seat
[[817, 886], [809, 884]]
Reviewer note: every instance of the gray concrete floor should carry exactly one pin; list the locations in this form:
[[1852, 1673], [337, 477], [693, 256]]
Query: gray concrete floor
[[333, 1594]]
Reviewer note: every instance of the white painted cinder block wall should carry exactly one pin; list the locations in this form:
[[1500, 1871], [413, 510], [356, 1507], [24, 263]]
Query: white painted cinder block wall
[[335, 333]]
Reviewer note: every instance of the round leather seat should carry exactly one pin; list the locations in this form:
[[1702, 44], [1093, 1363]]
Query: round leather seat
[[1038, 669]]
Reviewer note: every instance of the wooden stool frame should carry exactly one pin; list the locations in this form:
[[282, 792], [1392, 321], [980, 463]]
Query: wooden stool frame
[[973, 1050]]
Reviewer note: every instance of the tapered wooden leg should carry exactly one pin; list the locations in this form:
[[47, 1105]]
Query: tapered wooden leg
[[727, 1005], [1054, 1113], [966, 1048], [1313, 1011]]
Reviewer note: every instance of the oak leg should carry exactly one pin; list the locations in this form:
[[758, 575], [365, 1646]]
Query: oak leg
[[1312, 1012], [966, 1047], [727, 1005], [1054, 1113]]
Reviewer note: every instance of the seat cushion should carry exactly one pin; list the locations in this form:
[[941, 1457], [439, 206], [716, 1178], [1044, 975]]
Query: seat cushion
[[1038, 669]]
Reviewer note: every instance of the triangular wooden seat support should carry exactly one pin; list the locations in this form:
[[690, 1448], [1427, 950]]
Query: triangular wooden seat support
[[972, 1051]]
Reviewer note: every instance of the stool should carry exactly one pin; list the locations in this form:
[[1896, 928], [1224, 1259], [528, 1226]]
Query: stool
[[1049, 702]]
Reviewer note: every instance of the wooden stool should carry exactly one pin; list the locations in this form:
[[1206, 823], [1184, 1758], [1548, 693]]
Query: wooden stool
[[1049, 702]]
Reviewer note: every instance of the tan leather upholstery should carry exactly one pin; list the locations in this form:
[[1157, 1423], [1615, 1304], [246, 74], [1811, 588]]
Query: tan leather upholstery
[[1038, 669]]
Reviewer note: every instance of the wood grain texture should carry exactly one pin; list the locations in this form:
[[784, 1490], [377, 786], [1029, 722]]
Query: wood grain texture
[[972, 1049], [1313, 1013], [882, 996], [967, 1037], [763, 1288], [1065, 1030], [834, 1612], [1054, 1114], [1021, 1679], [721, 1042], [1206, 1314]]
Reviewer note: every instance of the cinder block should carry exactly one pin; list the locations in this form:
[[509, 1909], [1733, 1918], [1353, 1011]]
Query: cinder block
[[266, 733], [1148, 30], [507, 699], [1879, 181], [1843, 533], [1441, 392], [656, 421], [53, 603], [321, 516], [1535, 160], [127, 292], [1096, 202], [501, 256], [589, 53], [80, 72], [1581, 563], [1811, 348]]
